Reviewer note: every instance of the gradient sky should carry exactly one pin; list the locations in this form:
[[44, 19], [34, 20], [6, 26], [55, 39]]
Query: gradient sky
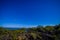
[[29, 13]]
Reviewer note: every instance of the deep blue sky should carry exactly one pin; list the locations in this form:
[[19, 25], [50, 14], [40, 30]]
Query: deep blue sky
[[29, 12]]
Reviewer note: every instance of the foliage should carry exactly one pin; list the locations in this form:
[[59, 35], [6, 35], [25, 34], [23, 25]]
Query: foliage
[[35, 33]]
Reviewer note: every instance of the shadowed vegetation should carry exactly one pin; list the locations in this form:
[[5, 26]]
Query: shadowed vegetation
[[36, 33]]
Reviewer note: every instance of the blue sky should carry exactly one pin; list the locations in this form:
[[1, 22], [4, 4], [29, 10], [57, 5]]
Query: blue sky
[[29, 13]]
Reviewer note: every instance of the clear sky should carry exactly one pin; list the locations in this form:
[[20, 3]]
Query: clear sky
[[29, 13]]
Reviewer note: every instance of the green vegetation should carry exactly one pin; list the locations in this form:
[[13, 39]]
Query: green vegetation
[[37, 33]]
